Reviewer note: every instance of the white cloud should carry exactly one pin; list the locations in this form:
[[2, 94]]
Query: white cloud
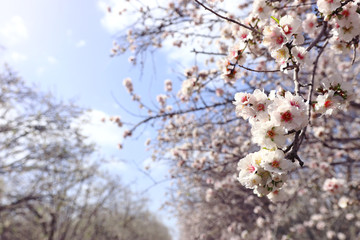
[[114, 22], [115, 166], [157, 169], [181, 55], [40, 71], [18, 57], [69, 32], [12, 57], [80, 43], [184, 54], [121, 14], [14, 31], [52, 60], [105, 134]]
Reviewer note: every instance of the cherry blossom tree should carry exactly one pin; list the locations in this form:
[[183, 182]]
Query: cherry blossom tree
[[262, 132]]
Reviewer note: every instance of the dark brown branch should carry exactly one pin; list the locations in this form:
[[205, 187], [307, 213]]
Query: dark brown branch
[[291, 151], [260, 71], [318, 38], [179, 113], [313, 81], [208, 53], [354, 44], [228, 19], [18, 202]]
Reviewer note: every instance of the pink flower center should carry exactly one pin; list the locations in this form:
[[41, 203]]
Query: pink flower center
[[279, 39], [275, 164], [261, 107], [251, 169], [311, 24], [287, 29], [294, 103], [347, 29], [327, 103], [244, 99], [244, 35], [345, 13], [300, 56], [271, 134], [286, 116]]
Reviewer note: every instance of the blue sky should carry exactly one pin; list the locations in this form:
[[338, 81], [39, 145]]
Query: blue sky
[[63, 46]]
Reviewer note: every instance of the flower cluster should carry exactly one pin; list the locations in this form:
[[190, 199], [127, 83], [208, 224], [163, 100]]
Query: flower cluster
[[264, 171], [284, 39], [334, 185], [279, 110], [310, 25], [273, 119], [187, 88], [345, 18], [128, 85], [327, 7], [230, 73], [333, 94]]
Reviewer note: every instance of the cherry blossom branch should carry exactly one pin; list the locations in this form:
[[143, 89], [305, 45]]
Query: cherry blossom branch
[[324, 143], [339, 9], [318, 38], [294, 147], [313, 80], [354, 44], [325, 25], [344, 139], [349, 161], [296, 80], [207, 53], [261, 71], [228, 19], [294, 6], [170, 114]]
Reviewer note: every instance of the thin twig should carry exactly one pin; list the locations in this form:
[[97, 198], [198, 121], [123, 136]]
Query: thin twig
[[178, 113], [253, 70], [313, 81], [208, 53], [292, 154], [355, 42], [318, 38], [228, 19]]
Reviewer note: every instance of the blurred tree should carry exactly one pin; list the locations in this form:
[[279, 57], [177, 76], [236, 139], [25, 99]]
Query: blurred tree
[[51, 186]]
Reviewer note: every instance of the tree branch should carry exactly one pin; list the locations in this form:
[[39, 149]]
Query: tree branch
[[228, 19]]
